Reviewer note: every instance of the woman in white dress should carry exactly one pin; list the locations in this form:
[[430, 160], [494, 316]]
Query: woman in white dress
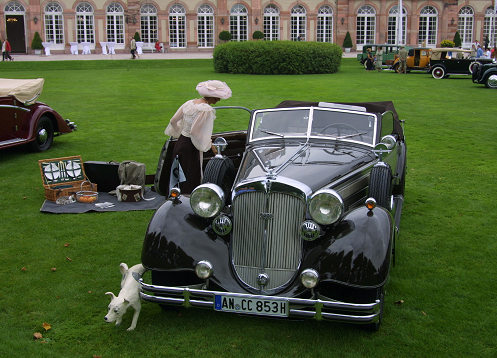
[[192, 124]]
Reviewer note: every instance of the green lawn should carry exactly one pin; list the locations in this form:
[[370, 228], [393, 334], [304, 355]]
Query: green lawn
[[446, 257]]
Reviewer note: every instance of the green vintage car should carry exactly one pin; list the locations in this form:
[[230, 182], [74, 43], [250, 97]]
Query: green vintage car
[[389, 52]]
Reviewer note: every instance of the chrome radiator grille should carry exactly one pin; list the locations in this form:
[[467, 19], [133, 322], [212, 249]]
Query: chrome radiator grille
[[266, 237]]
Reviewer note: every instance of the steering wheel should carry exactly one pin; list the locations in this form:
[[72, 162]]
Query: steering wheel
[[345, 126]]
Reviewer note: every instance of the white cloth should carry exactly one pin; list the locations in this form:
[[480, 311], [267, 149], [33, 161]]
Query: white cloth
[[74, 48], [195, 121], [104, 47]]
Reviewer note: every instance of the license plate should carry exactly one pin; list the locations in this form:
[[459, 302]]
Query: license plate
[[252, 305]]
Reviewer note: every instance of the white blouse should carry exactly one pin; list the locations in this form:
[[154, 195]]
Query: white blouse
[[195, 121]]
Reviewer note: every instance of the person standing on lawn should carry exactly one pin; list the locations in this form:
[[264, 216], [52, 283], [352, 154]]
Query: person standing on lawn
[[132, 47], [192, 124], [403, 59], [379, 59]]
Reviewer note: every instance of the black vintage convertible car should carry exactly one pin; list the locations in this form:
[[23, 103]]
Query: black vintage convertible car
[[297, 218]]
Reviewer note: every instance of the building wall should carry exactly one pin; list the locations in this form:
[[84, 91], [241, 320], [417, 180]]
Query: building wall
[[344, 18]]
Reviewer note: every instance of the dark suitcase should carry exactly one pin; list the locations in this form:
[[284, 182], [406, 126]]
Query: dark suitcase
[[104, 174]]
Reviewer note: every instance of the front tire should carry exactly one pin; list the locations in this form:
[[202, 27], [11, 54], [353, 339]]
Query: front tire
[[380, 185], [44, 135], [438, 73]]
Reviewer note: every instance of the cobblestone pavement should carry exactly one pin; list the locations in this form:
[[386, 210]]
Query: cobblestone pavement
[[126, 56]]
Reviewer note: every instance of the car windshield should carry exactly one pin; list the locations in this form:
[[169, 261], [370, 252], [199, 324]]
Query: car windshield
[[314, 122]]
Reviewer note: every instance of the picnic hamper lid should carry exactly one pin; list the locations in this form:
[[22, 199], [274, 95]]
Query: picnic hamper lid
[[59, 171]]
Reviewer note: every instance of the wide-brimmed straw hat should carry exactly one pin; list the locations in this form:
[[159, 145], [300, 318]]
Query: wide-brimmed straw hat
[[214, 88]]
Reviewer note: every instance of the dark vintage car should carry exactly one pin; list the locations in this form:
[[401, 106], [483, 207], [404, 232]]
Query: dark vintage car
[[298, 217], [486, 74], [26, 121], [453, 61]]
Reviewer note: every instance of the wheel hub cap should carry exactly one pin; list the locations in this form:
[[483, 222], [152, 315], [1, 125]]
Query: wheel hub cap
[[42, 135]]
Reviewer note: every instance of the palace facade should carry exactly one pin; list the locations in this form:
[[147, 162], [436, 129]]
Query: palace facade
[[194, 25]]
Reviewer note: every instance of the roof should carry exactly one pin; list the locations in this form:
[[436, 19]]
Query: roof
[[24, 90]]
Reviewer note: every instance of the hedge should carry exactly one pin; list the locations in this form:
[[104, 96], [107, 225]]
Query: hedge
[[277, 57]]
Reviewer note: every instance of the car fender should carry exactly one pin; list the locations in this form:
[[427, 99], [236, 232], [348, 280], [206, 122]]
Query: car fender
[[37, 111], [487, 73], [177, 239], [359, 249]]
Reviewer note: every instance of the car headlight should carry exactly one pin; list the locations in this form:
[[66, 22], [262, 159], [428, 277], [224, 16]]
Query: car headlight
[[207, 200], [203, 269], [309, 278], [326, 206]]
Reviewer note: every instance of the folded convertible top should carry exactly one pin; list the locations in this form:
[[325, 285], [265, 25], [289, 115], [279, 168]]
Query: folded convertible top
[[26, 91]]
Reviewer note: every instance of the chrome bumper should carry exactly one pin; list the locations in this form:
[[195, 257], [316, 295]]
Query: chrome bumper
[[298, 307]]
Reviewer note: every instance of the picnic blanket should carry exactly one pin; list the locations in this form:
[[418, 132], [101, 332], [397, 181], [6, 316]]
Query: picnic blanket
[[106, 202]]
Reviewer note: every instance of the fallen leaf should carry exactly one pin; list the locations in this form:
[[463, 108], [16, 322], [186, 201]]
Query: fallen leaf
[[95, 356], [23, 268], [24, 197], [424, 313], [399, 302], [90, 292], [53, 269], [47, 326], [37, 335], [66, 244], [68, 258]]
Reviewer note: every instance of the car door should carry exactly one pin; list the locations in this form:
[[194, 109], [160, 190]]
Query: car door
[[8, 125]]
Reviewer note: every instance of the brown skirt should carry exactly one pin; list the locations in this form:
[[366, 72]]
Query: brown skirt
[[189, 159]]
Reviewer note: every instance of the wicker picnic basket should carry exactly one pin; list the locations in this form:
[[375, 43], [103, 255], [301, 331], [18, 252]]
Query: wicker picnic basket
[[64, 177]]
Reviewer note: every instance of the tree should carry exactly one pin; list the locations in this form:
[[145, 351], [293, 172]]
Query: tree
[[347, 41], [457, 39], [224, 35], [137, 36], [447, 43], [36, 43], [257, 35]]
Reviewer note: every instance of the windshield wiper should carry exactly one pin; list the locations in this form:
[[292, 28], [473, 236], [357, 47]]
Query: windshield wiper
[[351, 135], [271, 133]]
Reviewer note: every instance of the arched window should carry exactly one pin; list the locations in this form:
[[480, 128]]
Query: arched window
[[148, 24], [325, 24], [54, 24], [465, 26], [393, 33], [366, 25], [428, 24], [205, 26], [85, 28], [238, 23], [271, 23], [490, 26], [14, 8], [177, 24], [115, 23], [298, 21]]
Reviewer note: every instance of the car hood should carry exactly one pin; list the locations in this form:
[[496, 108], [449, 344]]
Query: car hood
[[315, 165]]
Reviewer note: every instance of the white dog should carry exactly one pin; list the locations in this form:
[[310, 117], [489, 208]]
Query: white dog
[[128, 296]]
